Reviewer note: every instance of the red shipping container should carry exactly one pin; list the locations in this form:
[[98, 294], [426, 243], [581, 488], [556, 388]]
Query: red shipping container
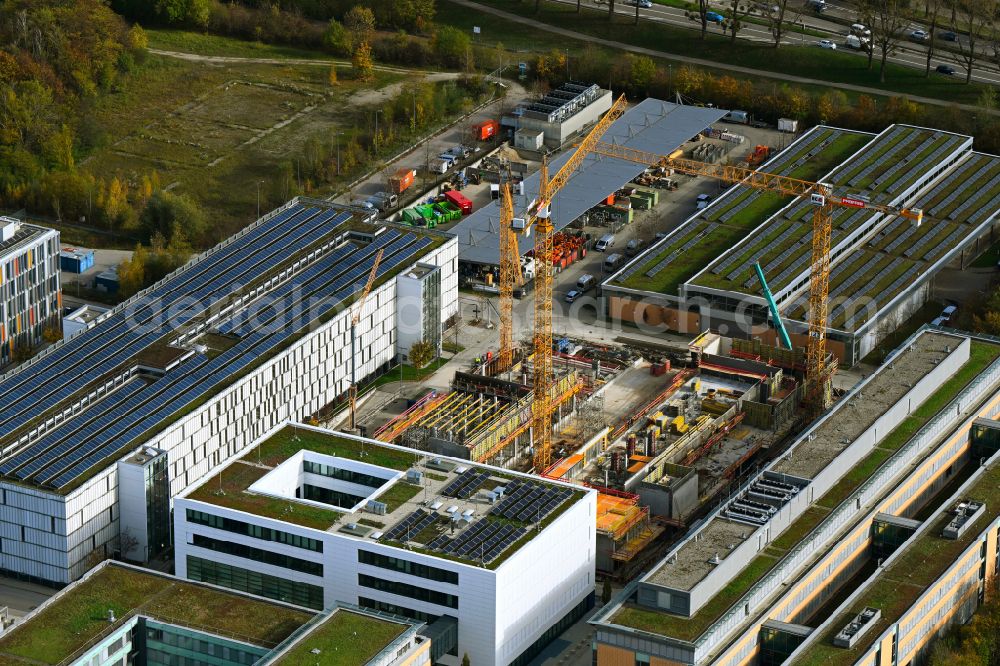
[[458, 200], [487, 130], [402, 180]]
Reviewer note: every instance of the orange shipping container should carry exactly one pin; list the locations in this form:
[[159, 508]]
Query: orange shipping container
[[402, 179]]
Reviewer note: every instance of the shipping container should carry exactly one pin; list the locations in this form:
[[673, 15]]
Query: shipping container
[[788, 125], [73, 260], [458, 199], [486, 130], [401, 180]]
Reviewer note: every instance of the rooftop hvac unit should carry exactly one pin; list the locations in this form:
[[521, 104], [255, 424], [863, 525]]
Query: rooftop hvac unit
[[414, 476], [376, 507], [435, 506]]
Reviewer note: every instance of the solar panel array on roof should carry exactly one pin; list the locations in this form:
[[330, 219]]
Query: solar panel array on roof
[[121, 419], [484, 540], [529, 502], [466, 484], [411, 526]]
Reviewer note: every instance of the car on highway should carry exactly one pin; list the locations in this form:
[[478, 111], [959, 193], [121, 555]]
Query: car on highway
[[572, 295], [918, 36], [827, 44], [714, 17], [948, 36], [945, 69], [645, 4]]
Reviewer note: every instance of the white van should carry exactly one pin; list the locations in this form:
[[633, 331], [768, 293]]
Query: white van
[[604, 242], [741, 117]]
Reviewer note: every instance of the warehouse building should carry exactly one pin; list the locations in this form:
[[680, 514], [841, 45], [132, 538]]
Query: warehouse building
[[701, 276], [146, 617], [30, 295], [651, 125], [186, 374], [496, 562], [558, 116], [887, 495]]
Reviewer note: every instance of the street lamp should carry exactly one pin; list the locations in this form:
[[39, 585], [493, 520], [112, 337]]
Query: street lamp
[[337, 139]]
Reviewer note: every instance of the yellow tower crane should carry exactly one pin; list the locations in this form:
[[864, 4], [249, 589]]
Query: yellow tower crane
[[821, 195], [538, 216], [352, 391]]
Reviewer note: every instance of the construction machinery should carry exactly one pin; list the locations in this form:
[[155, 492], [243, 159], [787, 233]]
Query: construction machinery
[[775, 315], [352, 392], [823, 198], [538, 216]]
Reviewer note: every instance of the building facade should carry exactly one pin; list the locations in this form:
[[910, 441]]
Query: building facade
[[506, 609], [201, 393], [30, 294]]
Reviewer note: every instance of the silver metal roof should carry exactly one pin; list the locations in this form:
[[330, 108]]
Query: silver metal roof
[[652, 125]]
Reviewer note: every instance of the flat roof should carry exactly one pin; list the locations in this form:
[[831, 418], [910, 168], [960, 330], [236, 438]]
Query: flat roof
[[652, 125], [895, 589], [703, 239], [418, 514], [693, 562], [345, 638], [328, 251], [77, 616], [728, 237], [24, 236], [843, 426]]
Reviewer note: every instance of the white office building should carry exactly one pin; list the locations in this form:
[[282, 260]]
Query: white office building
[[30, 297], [185, 375], [495, 562]]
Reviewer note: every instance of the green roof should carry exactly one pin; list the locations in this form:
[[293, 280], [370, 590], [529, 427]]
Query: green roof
[[345, 638], [922, 562], [78, 617], [228, 487]]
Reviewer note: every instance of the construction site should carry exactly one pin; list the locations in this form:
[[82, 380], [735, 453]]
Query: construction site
[[660, 431]]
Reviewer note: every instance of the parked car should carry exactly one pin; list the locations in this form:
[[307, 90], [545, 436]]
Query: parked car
[[586, 282], [948, 36], [827, 44], [572, 295], [605, 242], [702, 201], [918, 36], [860, 30], [945, 69], [633, 247], [714, 17], [947, 313]]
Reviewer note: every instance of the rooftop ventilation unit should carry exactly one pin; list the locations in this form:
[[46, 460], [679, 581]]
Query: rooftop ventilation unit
[[414, 476], [855, 629], [376, 507], [965, 513]]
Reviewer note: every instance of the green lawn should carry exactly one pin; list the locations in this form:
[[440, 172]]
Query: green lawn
[[218, 45], [81, 615], [290, 440], [345, 639], [806, 61], [409, 373], [397, 494]]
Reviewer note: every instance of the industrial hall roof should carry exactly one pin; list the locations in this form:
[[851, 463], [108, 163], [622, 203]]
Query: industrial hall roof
[[652, 125]]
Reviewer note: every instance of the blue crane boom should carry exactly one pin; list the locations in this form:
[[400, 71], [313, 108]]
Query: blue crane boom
[[780, 325]]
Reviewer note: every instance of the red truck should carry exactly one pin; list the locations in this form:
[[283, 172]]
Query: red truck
[[401, 180], [486, 130], [456, 198]]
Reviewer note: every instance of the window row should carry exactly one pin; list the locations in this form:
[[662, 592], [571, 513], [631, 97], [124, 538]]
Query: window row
[[407, 567], [254, 582], [259, 555], [255, 531], [407, 590]]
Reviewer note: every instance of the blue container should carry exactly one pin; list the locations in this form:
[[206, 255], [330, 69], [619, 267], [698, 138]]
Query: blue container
[[73, 260]]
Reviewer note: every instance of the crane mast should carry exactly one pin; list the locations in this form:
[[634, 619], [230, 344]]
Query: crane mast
[[352, 391], [541, 410]]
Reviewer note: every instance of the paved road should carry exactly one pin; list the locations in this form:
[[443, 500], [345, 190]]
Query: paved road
[[749, 71]]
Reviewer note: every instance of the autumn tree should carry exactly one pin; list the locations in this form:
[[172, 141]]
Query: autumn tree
[[336, 38], [978, 16], [331, 77], [451, 46], [167, 213], [361, 63], [360, 25], [421, 353], [886, 19], [778, 18]]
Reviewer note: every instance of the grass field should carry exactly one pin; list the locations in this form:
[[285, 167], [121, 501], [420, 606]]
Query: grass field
[[218, 131], [806, 61], [346, 638]]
